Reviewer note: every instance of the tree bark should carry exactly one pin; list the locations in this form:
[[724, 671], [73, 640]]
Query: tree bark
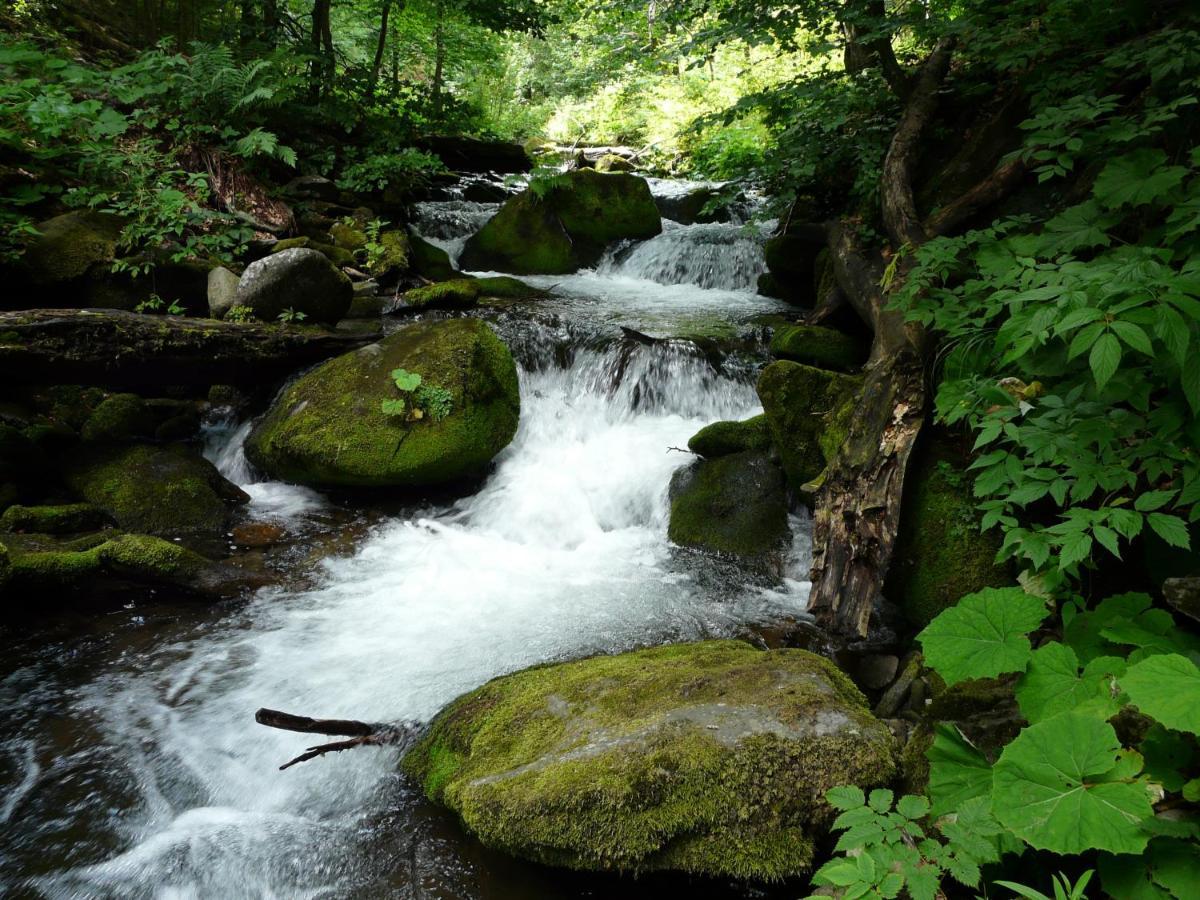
[[439, 44], [125, 349], [380, 47]]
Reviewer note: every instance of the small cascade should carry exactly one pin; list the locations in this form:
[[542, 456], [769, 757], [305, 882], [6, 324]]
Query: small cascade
[[448, 223], [715, 257]]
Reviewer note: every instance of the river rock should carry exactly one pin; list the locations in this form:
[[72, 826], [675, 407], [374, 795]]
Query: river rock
[[708, 758], [71, 246], [808, 411], [339, 256], [724, 438], [166, 491], [567, 228], [792, 262], [222, 292], [687, 207], [610, 162], [298, 279], [461, 293], [734, 504], [68, 518], [328, 428], [464, 154], [429, 260], [824, 348]]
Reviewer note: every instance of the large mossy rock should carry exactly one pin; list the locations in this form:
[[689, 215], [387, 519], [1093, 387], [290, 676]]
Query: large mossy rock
[[821, 347], [808, 411], [940, 555], [734, 504], [299, 279], [567, 228], [71, 246], [709, 758], [328, 427], [724, 438], [791, 260], [165, 491]]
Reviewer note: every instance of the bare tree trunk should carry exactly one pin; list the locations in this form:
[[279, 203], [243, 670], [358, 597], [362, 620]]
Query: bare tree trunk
[[321, 39], [380, 47], [271, 22], [439, 43]]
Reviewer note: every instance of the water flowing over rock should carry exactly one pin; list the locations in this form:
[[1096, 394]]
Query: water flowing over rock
[[710, 758], [720, 257]]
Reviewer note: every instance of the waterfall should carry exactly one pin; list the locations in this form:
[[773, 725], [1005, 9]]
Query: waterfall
[[448, 223], [721, 257]]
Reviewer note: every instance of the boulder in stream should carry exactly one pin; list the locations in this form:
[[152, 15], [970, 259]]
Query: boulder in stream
[[347, 423], [724, 438], [709, 758], [566, 227], [825, 348], [808, 411], [735, 504], [299, 279]]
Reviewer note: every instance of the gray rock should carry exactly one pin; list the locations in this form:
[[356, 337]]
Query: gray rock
[[301, 280], [1183, 594], [222, 292], [312, 187]]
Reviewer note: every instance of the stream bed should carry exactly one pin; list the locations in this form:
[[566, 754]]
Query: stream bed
[[132, 763]]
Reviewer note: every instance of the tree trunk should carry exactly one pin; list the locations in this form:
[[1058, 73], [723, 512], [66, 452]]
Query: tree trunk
[[270, 22], [380, 47], [124, 349], [321, 40], [439, 43]]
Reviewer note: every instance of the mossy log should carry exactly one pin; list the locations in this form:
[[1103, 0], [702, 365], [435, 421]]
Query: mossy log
[[125, 349]]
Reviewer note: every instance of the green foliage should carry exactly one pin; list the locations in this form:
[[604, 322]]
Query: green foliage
[[1063, 888], [239, 314], [291, 316], [905, 849], [402, 169], [155, 303], [419, 398], [984, 635]]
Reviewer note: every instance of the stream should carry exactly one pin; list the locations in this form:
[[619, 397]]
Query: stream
[[132, 764]]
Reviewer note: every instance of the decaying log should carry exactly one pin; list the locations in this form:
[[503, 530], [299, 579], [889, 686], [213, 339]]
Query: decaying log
[[361, 734], [117, 349], [857, 509]]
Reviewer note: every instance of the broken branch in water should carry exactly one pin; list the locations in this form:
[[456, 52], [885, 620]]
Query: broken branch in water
[[361, 734]]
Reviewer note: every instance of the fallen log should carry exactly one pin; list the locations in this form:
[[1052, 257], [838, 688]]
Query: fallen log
[[125, 349], [361, 734]]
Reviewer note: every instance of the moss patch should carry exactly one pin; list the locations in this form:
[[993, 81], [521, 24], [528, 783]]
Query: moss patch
[[68, 246], [820, 347], [73, 565], [567, 228], [328, 427], [461, 293], [395, 255], [808, 411], [734, 504], [429, 260], [166, 491], [508, 288], [339, 256], [709, 758], [941, 555], [724, 438], [65, 519]]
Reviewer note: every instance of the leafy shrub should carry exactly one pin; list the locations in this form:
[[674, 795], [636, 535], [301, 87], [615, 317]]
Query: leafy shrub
[[404, 169]]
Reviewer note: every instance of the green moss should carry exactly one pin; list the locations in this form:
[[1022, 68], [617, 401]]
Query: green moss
[[74, 565], [510, 288], [724, 438], [462, 293], [968, 698], [396, 253], [808, 412], [328, 427], [5, 567], [940, 555], [734, 504], [70, 245], [66, 519], [710, 758], [820, 347], [347, 237], [157, 490], [567, 228], [429, 260], [610, 162], [121, 417]]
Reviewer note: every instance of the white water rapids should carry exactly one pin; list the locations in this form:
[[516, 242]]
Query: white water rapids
[[165, 787]]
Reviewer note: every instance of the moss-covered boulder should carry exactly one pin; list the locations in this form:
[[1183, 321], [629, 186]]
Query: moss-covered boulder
[[395, 255], [507, 288], [824, 348], [68, 518], [71, 246], [128, 417], [167, 491], [339, 256], [329, 427], [808, 412], [461, 293], [734, 504], [791, 260], [940, 555], [298, 279], [724, 438], [708, 758], [567, 227], [611, 162], [429, 260], [348, 236]]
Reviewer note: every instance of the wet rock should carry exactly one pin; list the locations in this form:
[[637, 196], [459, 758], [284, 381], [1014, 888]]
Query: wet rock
[[329, 428], [941, 554], [709, 758], [299, 279], [734, 504], [567, 228], [430, 261], [367, 304], [258, 534], [164, 491], [875, 671], [71, 246], [461, 293], [464, 154], [65, 519], [687, 207], [792, 262], [339, 256], [396, 256], [312, 187], [1183, 595], [610, 162], [222, 292], [824, 348], [507, 288], [808, 412], [724, 438], [128, 417]]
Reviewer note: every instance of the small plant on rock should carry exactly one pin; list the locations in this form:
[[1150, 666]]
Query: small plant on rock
[[291, 316], [239, 314], [417, 399]]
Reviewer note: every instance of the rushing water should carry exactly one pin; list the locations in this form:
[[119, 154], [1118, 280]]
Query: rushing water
[[133, 763]]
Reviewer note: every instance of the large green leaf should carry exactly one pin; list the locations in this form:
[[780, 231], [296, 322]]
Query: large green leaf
[[1053, 684], [1166, 688], [1137, 178], [957, 771], [1064, 785], [984, 635]]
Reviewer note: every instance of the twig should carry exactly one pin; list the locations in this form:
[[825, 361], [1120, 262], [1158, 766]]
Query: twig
[[361, 734]]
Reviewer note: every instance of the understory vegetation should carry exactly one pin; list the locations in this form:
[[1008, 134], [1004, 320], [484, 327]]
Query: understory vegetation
[[1008, 200]]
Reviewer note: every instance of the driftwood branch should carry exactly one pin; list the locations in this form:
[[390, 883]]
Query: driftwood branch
[[361, 734]]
